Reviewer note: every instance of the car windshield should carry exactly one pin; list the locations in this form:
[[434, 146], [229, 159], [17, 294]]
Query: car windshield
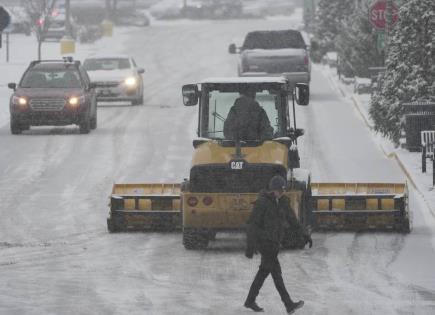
[[274, 40], [53, 78], [217, 105], [106, 64]]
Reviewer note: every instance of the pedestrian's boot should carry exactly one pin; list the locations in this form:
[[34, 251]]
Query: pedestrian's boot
[[292, 307], [253, 306]]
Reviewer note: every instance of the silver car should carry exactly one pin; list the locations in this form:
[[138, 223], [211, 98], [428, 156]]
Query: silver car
[[118, 78], [274, 53]]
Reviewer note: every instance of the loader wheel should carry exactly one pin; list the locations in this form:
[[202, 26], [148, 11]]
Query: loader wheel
[[111, 226], [406, 226], [193, 239]]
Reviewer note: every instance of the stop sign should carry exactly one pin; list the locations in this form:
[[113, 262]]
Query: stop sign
[[378, 14]]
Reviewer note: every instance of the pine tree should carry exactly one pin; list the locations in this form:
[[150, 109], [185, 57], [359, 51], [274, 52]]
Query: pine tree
[[410, 63], [329, 19]]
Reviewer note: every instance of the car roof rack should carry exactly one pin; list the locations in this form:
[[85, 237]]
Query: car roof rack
[[68, 60]]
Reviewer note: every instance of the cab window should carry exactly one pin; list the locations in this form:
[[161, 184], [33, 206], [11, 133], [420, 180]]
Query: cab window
[[217, 105]]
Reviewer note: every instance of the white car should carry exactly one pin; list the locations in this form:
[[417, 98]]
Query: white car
[[118, 78]]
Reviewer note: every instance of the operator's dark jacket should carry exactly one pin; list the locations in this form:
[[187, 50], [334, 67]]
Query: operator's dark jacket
[[268, 221], [247, 120]]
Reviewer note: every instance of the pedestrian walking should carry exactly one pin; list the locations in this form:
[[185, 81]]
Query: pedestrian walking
[[269, 219]]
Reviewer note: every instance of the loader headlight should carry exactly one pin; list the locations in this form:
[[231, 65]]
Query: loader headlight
[[130, 82]]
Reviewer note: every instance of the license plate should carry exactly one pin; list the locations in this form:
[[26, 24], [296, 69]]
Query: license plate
[[105, 92]]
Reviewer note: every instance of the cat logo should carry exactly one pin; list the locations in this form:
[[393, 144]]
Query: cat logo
[[237, 165]]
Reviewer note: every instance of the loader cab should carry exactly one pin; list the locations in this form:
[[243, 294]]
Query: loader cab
[[217, 97]]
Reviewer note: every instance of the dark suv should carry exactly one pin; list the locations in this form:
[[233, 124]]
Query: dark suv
[[53, 92]]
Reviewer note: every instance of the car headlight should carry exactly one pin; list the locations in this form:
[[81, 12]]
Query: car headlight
[[76, 100], [130, 82], [19, 100]]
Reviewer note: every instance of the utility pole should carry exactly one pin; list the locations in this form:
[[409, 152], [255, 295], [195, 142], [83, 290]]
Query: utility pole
[[389, 22], [108, 10], [68, 18], [67, 43], [107, 23]]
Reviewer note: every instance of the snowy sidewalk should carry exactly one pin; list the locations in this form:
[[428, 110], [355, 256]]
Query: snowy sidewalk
[[410, 162], [23, 49]]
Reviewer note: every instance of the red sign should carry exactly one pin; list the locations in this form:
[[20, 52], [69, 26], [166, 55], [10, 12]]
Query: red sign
[[378, 14]]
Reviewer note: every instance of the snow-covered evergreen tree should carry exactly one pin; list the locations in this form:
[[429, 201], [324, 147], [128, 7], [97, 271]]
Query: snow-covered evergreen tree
[[330, 14], [410, 63], [356, 43]]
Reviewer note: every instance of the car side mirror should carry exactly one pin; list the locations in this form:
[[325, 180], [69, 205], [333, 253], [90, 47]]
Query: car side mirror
[[92, 85], [190, 94], [302, 93], [141, 70], [232, 49], [12, 86]]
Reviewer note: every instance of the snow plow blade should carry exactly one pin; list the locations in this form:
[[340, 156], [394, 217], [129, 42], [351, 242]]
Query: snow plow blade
[[145, 207], [360, 207]]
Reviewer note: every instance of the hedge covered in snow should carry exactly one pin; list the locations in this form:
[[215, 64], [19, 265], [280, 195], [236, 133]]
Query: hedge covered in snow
[[410, 66]]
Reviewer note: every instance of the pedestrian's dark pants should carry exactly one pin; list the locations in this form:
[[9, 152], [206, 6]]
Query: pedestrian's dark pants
[[269, 265]]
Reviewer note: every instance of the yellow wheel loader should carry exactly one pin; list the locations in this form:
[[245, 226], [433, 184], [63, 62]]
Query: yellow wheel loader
[[227, 173]]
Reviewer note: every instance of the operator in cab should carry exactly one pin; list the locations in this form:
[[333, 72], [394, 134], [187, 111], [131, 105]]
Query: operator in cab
[[247, 120]]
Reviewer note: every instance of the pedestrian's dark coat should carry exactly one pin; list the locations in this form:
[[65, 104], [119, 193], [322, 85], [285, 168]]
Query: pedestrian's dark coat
[[268, 221]]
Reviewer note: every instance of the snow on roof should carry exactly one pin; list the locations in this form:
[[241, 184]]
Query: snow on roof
[[235, 80]]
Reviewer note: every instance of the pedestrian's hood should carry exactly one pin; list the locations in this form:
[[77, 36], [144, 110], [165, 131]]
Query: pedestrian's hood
[[110, 75]]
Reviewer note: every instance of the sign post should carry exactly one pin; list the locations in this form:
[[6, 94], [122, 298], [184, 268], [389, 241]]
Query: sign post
[[380, 43]]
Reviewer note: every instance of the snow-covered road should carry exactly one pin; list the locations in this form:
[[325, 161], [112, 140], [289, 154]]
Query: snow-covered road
[[56, 256]]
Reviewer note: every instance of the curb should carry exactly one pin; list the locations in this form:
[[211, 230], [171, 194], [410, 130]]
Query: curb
[[396, 157]]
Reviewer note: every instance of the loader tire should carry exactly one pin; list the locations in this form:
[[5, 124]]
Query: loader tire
[[406, 226], [193, 239], [111, 226]]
